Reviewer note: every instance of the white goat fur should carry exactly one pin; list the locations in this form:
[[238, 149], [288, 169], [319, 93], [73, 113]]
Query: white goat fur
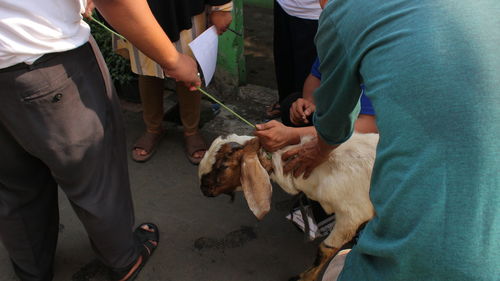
[[341, 184]]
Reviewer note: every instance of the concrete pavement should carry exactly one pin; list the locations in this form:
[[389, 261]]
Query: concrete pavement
[[202, 239]]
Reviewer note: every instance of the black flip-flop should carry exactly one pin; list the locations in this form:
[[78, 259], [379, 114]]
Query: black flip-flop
[[146, 249]]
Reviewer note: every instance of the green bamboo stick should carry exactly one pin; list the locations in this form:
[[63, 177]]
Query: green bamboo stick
[[107, 28], [199, 89], [228, 109]]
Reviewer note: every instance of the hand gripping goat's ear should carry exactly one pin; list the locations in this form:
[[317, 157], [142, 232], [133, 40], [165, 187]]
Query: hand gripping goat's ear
[[256, 185]]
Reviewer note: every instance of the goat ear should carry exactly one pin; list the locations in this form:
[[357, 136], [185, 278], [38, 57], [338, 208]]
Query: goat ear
[[256, 185]]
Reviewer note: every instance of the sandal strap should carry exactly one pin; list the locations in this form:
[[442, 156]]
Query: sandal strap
[[149, 246], [195, 143], [145, 249], [148, 141]]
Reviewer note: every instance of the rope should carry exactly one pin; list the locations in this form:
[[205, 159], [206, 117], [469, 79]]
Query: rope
[[107, 28], [227, 108], [199, 89]]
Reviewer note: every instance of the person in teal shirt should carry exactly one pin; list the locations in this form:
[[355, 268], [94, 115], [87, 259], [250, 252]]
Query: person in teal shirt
[[432, 71]]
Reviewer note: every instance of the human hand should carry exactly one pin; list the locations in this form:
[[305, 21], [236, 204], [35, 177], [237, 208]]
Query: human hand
[[89, 9], [221, 20], [304, 159], [300, 110], [273, 135], [185, 70]]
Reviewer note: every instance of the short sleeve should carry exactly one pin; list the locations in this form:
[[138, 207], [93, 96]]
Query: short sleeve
[[366, 104], [337, 97], [315, 69], [217, 2]]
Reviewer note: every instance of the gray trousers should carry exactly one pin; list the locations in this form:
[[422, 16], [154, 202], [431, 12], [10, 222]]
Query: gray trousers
[[61, 125]]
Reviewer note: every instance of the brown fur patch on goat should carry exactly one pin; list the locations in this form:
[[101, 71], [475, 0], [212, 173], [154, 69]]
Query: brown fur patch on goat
[[225, 174]]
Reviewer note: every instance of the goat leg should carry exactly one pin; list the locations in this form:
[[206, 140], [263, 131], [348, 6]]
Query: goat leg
[[343, 231], [324, 254]]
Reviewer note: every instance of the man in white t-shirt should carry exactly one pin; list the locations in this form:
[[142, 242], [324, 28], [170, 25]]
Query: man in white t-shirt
[[61, 125]]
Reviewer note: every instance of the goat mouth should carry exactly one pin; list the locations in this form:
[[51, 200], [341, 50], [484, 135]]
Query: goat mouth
[[231, 195], [208, 192]]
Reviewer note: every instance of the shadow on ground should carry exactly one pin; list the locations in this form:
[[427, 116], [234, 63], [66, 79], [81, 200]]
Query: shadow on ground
[[202, 239]]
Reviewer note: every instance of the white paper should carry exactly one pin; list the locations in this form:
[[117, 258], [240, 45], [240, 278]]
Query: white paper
[[205, 48]]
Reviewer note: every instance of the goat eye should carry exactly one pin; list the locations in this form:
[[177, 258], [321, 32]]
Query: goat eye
[[221, 166]]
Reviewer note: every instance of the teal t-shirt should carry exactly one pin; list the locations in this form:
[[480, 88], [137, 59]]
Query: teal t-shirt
[[432, 71]]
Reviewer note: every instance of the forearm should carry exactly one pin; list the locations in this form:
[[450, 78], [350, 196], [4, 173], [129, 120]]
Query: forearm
[[299, 132], [324, 147], [366, 124], [134, 20], [310, 85]]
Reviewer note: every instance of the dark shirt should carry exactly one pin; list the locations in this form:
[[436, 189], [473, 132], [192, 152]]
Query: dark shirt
[[175, 15]]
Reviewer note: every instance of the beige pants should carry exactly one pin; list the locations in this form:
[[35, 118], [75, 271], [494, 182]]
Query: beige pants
[[151, 90], [335, 267], [151, 81]]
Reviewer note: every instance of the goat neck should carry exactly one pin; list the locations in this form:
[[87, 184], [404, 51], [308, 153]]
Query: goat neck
[[253, 146]]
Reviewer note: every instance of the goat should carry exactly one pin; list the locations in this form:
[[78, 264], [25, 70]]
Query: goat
[[341, 184]]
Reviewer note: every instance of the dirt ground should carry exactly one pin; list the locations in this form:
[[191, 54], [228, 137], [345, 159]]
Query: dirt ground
[[258, 24], [260, 91]]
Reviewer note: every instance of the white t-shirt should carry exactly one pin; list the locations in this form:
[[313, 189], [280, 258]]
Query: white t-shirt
[[32, 28], [304, 9]]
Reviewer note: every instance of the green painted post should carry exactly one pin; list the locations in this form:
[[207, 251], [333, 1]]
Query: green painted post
[[231, 59]]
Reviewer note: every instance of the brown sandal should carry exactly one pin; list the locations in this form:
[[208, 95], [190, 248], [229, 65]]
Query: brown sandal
[[192, 144], [273, 111], [147, 142]]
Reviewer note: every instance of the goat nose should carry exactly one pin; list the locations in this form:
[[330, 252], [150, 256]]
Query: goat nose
[[207, 191]]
